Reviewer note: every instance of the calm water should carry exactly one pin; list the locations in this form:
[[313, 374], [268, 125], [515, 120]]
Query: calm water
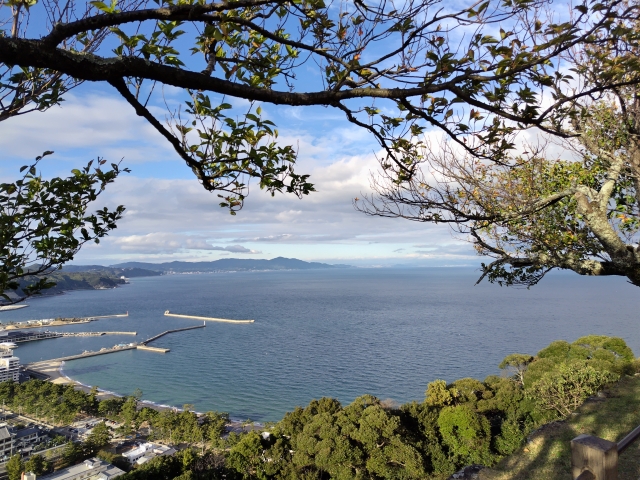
[[337, 333]]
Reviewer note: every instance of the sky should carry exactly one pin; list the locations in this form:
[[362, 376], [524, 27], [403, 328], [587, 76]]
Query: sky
[[170, 216]]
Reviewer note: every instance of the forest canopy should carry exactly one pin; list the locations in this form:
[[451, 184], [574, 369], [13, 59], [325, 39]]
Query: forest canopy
[[459, 423]]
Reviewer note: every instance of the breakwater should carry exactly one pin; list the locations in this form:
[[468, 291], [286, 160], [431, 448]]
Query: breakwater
[[102, 351], [206, 319], [57, 322], [153, 349], [4, 308], [95, 334], [155, 337], [117, 315], [117, 348]]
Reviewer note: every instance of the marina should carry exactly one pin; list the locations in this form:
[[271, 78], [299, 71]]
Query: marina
[[18, 336], [56, 322], [116, 348]]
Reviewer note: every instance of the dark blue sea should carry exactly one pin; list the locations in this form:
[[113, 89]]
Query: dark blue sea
[[338, 333]]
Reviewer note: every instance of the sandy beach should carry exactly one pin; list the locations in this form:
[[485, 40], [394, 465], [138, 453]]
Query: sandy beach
[[52, 370]]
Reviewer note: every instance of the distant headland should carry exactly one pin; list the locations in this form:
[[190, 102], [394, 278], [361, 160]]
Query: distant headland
[[101, 277], [140, 269]]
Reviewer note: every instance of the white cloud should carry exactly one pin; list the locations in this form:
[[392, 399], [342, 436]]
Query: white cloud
[[88, 122], [170, 216], [169, 243], [240, 249]]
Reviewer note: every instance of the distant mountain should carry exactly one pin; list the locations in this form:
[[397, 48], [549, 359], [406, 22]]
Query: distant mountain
[[114, 271], [228, 264], [83, 280]]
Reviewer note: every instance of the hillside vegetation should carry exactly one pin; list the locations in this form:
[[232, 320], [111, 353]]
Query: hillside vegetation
[[460, 423], [520, 424], [78, 281], [547, 453]]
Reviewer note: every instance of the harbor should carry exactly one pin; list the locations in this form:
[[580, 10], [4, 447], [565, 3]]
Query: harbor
[[51, 369], [57, 322], [18, 336], [116, 348]]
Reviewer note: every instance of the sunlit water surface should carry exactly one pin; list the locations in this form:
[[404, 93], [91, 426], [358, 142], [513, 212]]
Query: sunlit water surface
[[338, 333]]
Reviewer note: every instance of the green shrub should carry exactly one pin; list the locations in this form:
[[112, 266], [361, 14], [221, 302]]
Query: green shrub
[[568, 386], [510, 438], [466, 434], [469, 390], [558, 350], [439, 395]]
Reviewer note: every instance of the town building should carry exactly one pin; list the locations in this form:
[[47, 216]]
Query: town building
[[145, 452], [6, 441], [25, 438], [13, 440], [92, 469], [9, 364]]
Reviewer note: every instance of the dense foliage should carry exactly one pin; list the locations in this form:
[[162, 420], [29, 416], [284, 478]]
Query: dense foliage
[[572, 204], [475, 71], [464, 422], [44, 223]]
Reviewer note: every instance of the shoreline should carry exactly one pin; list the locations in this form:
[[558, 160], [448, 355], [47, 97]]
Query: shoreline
[[55, 371], [52, 324]]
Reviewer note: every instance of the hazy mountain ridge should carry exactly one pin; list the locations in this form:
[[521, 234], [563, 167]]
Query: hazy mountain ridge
[[228, 264], [131, 272]]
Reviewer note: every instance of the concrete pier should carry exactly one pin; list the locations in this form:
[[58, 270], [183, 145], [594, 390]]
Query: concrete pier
[[155, 337], [95, 334], [153, 349], [104, 351], [109, 316], [206, 319]]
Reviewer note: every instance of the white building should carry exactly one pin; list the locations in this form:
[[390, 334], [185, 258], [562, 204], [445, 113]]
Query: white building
[[145, 452], [92, 469], [9, 364]]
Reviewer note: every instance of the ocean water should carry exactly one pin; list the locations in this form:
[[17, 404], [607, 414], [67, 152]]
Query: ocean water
[[338, 333]]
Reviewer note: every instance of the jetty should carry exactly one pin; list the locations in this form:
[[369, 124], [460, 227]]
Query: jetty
[[102, 351], [117, 348], [4, 308], [206, 319], [108, 316], [144, 346], [94, 334]]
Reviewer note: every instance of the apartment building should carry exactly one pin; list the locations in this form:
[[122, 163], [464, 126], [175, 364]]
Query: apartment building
[[9, 364]]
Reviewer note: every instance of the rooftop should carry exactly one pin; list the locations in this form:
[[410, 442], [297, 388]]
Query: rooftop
[[92, 469]]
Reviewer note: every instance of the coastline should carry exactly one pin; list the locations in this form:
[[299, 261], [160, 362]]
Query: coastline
[[55, 371], [52, 324]]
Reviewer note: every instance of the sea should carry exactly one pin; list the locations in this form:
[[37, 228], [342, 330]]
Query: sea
[[336, 333]]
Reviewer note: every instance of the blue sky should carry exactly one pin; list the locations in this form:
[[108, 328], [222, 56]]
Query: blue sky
[[170, 217]]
